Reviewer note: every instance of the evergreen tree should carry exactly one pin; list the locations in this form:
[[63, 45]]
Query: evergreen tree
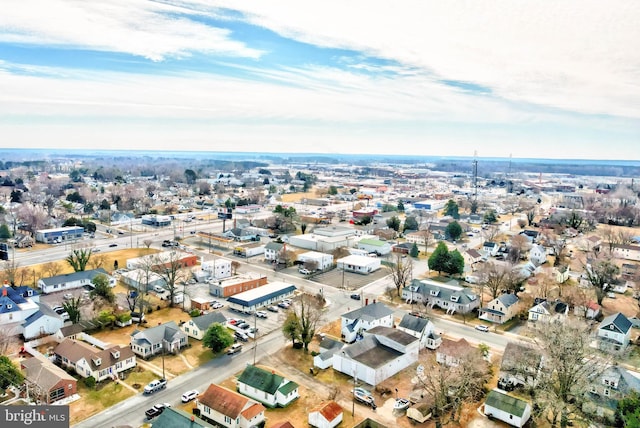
[[414, 250], [439, 258]]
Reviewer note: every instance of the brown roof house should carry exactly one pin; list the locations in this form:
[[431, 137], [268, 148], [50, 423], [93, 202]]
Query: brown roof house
[[53, 383], [326, 415], [224, 407], [88, 360], [451, 352]]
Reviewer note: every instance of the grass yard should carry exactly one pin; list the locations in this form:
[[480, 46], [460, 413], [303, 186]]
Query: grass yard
[[94, 401], [139, 376]]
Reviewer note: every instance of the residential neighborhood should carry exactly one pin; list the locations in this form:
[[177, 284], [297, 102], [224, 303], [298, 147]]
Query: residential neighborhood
[[316, 289]]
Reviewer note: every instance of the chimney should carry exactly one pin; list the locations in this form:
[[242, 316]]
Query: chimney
[[366, 301], [374, 301], [4, 291]]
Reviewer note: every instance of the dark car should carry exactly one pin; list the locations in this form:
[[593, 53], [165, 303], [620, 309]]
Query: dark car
[[156, 410], [113, 245], [355, 296]]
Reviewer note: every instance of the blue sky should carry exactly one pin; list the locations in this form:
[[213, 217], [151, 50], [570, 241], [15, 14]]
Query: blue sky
[[545, 79]]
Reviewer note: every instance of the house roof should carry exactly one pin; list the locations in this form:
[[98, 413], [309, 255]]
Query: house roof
[[285, 424], [369, 312], [373, 242], [413, 323], [506, 403], [275, 246], [251, 412], [44, 373], [176, 418], [454, 347], [398, 336], [74, 276], [71, 330], [370, 352], [203, 322], [224, 401], [75, 350], [168, 331], [443, 291], [618, 320], [329, 410], [262, 380], [329, 344], [473, 253], [508, 299], [517, 356], [7, 305]]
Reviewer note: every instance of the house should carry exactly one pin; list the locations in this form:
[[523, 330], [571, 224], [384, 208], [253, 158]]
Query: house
[[471, 257], [163, 338], [421, 411], [546, 311], [42, 322], [381, 248], [450, 352], [508, 409], [71, 331], [242, 235], [605, 389], [422, 329], [53, 383], [501, 309], [402, 248], [326, 415], [531, 235], [451, 297], [614, 332], [272, 251], [383, 352], [358, 264], [561, 274], [196, 327], [73, 280], [354, 323], [165, 258], [328, 347], [227, 408], [90, 361], [490, 248], [590, 311], [627, 252], [538, 254], [521, 365], [176, 418], [16, 305], [320, 261], [269, 388]]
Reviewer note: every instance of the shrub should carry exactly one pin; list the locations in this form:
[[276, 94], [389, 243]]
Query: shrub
[[314, 353], [123, 317], [195, 313], [90, 382], [149, 310]]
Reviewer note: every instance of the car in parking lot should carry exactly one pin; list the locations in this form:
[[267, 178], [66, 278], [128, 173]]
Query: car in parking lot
[[68, 296], [241, 336], [355, 296], [272, 309], [261, 314], [304, 271], [244, 326], [283, 305], [483, 328], [189, 395]]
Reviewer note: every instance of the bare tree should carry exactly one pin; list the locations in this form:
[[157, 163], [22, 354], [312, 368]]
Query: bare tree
[[490, 233], [11, 272], [308, 312], [401, 271], [519, 245], [601, 274], [568, 367], [34, 216], [147, 243], [97, 261], [52, 268], [426, 235], [495, 277], [169, 268]]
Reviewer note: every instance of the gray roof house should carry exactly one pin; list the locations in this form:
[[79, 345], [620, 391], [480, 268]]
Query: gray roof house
[[73, 280], [614, 332], [355, 322], [42, 322], [272, 251], [501, 309], [422, 329], [606, 389], [521, 365], [196, 327], [449, 296], [328, 347], [166, 337]]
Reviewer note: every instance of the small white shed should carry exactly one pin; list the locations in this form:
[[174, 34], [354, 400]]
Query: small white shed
[[508, 409], [326, 415]]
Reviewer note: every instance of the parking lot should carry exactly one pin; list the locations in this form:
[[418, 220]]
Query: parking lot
[[348, 280]]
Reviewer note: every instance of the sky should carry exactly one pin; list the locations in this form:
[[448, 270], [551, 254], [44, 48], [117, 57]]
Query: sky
[[496, 78]]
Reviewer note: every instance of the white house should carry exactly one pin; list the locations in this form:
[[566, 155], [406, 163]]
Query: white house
[[546, 311], [383, 352], [73, 280], [141, 278], [614, 332], [501, 309], [217, 268], [166, 337], [328, 347], [627, 252], [508, 409], [422, 329], [448, 296], [490, 248], [42, 322], [16, 305], [198, 326], [267, 387], [88, 360], [359, 264], [326, 415], [272, 251], [354, 323], [538, 254], [322, 261], [227, 408]]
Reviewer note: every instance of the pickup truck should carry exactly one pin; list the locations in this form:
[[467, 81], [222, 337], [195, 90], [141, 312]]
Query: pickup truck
[[155, 385], [156, 410]]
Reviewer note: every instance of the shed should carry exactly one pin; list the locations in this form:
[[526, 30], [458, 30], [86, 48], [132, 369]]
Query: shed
[[326, 415], [508, 409]]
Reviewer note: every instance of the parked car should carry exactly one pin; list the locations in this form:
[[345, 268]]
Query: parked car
[[304, 271], [283, 305], [272, 309], [483, 328], [355, 296], [245, 326], [158, 289], [234, 349], [261, 314], [155, 385], [68, 296], [189, 395], [241, 336], [156, 410], [137, 317]]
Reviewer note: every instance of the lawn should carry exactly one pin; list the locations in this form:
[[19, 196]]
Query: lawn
[[139, 376], [93, 401]]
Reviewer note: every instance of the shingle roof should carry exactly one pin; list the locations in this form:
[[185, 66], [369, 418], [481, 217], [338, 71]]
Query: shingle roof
[[621, 322], [176, 418], [370, 352], [511, 405], [508, 299], [71, 330], [444, 291], [398, 336], [168, 331], [370, 312], [275, 246], [44, 373], [519, 356], [203, 322], [75, 276], [413, 323], [75, 350], [261, 379], [285, 424], [222, 400]]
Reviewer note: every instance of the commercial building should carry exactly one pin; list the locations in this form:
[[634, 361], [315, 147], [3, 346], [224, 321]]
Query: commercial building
[[60, 234], [263, 296]]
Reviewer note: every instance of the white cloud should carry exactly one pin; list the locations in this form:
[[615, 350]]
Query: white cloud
[[153, 30]]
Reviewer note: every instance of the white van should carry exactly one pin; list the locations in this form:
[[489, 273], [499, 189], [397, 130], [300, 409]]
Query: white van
[[235, 348], [137, 317]]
